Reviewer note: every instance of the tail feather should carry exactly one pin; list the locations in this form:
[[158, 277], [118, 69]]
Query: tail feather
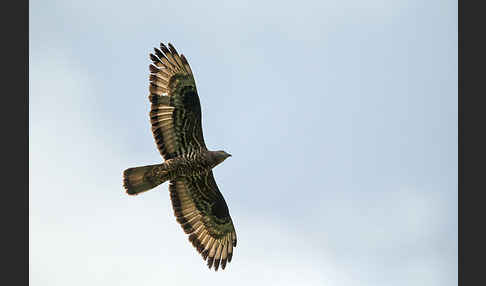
[[136, 180]]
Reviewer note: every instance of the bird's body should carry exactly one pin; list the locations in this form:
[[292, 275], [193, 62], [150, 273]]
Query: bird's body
[[193, 164], [175, 117]]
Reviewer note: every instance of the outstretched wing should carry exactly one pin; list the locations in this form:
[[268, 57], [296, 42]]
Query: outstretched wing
[[203, 214], [175, 113]]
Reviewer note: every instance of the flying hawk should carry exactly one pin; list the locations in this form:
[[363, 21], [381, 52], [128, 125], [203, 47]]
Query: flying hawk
[[175, 117]]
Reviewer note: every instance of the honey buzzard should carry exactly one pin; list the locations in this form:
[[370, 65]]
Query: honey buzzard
[[175, 117]]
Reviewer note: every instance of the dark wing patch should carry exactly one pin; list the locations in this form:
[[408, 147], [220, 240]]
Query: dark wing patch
[[203, 214], [191, 102], [175, 112], [220, 209]]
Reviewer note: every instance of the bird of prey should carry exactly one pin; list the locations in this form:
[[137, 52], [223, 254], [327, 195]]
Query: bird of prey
[[175, 116]]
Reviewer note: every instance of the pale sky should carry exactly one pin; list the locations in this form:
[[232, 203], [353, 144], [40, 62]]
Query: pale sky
[[341, 117]]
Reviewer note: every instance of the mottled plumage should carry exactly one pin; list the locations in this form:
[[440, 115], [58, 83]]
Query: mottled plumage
[[175, 116]]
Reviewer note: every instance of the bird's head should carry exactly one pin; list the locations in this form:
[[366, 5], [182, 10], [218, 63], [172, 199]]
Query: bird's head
[[220, 156]]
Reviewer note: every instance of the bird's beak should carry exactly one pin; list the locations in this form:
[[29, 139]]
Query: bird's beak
[[229, 155]]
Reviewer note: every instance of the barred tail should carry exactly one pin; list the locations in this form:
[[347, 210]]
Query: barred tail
[[139, 179]]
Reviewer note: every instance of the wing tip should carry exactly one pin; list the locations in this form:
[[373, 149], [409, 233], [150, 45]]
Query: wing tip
[[210, 262], [172, 49], [169, 57], [216, 264], [164, 48], [158, 53], [205, 254]]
